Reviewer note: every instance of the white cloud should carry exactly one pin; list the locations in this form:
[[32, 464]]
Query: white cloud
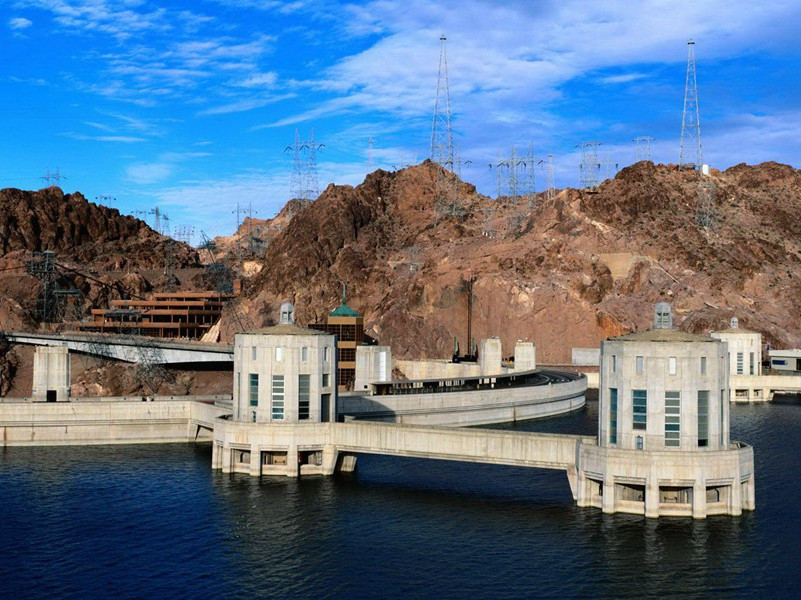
[[18, 23], [147, 173], [258, 80], [625, 78]]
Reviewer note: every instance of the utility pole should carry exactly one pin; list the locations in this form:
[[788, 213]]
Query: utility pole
[[690, 152], [643, 147]]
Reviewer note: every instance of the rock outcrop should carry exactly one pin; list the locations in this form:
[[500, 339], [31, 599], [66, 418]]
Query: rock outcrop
[[563, 272]]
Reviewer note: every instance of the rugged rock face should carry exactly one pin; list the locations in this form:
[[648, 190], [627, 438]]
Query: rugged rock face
[[569, 272], [93, 245], [246, 247], [81, 231]]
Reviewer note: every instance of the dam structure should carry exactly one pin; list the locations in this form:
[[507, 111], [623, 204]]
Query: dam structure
[[662, 449]]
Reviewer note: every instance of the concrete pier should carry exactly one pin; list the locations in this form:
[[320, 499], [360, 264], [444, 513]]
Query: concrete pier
[[51, 374]]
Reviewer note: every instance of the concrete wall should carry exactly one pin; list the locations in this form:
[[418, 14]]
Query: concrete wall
[[490, 356], [373, 364], [619, 372], [604, 472], [86, 423], [525, 356], [51, 373], [436, 369], [586, 357], [745, 350], [288, 356], [479, 407]]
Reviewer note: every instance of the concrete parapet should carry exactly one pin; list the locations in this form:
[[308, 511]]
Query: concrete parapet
[[466, 408], [373, 364]]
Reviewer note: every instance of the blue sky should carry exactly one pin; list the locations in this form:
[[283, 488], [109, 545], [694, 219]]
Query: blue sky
[[189, 106]]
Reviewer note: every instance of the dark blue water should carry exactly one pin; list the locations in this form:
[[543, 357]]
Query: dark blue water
[[155, 521]]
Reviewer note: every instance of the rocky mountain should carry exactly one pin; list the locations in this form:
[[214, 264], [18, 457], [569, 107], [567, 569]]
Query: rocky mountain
[[99, 251], [566, 271]]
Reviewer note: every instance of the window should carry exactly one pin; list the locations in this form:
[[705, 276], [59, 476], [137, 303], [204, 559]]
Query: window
[[778, 362], [673, 419], [723, 399], [613, 415], [672, 365], [279, 354], [639, 402], [253, 416], [703, 418], [639, 364], [639, 442], [739, 363], [304, 354], [614, 363], [278, 397], [703, 365], [326, 354], [751, 364], [253, 353], [303, 397], [325, 379], [253, 391]]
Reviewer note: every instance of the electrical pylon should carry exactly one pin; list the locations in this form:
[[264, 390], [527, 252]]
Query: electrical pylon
[[643, 147], [551, 191], [590, 167], [690, 152], [441, 132], [370, 165], [303, 183]]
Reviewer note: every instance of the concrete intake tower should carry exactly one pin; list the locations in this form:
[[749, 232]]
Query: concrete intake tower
[[663, 429]]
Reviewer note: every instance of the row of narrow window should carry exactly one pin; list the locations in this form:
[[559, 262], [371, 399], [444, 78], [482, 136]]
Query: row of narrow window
[[639, 364], [279, 354], [639, 404], [277, 394]]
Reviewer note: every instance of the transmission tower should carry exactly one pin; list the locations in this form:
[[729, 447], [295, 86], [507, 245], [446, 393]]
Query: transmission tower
[[705, 214], [551, 189], [690, 152], [531, 166], [105, 200], [370, 166], [643, 146], [610, 166], [53, 178], [441, 132], [185, 234], [303, 184], [590, 167]]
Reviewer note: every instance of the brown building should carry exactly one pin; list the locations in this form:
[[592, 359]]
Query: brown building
[[348, 326], [165, 315]]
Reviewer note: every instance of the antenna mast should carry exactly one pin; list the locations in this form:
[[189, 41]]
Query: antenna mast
[[690, 153]]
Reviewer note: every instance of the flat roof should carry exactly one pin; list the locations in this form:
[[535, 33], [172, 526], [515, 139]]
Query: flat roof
[[663, 335]]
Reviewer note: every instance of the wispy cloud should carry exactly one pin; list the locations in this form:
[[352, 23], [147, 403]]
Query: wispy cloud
[[625, 78], [148, 173], [123, 139], [244, 105], [18, 23]]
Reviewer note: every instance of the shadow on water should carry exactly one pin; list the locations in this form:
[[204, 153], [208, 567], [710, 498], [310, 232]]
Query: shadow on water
[[155, 521]]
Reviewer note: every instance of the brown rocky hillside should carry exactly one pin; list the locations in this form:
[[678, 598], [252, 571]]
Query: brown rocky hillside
[[98, 241], [574, 270]]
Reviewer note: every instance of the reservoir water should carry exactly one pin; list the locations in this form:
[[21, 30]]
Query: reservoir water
[[156, 521]]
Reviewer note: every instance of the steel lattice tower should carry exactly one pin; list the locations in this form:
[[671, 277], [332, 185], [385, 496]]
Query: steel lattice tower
[[590, 167], [551, 191], [643, 147], [441, 132], [370, 164], [690, 152], [303, 183]]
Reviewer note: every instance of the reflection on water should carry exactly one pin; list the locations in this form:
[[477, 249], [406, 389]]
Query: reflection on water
[[155, 521]]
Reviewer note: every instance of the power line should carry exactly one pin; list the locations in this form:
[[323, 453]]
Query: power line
[[643, 147]]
